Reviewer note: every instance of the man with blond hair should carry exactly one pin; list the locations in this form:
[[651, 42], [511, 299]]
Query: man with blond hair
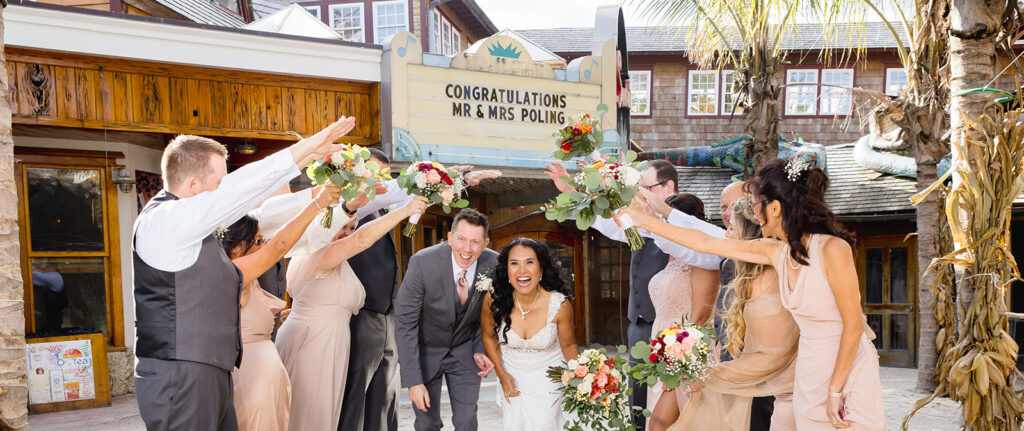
[[186, 288]]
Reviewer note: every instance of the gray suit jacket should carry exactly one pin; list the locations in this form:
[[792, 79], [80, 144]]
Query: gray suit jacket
[[426, 327]]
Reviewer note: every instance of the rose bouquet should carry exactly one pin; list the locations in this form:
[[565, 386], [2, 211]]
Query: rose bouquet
[[349, 168], [580, 138], [599, 189], [443, 186], [681, 353], [594, 392]]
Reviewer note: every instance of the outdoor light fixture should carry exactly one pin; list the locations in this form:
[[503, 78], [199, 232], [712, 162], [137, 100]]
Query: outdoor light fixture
[[123, 178], [246, 148]]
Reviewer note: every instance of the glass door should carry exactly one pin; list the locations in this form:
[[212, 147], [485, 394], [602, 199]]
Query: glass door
[[887, 268]]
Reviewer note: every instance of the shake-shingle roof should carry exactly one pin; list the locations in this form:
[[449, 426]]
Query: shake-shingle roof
[[204, 12], [673, 39]]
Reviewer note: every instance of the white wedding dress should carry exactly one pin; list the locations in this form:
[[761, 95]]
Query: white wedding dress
[[539, 405]]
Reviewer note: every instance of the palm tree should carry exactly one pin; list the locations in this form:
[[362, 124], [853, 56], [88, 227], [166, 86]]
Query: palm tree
[[745, 36], [13, 380]]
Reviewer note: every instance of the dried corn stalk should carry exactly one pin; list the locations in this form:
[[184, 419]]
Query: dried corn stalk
[[980, 367]]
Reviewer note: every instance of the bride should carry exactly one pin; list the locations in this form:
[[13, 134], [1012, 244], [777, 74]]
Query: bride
[[527, 326]]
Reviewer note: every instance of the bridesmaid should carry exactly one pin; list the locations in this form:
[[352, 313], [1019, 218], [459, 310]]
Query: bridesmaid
[[837, 384], [762, 337], [314, 340], [676, 291], [261, 391]]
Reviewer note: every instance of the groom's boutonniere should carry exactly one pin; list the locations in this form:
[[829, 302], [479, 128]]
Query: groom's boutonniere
[[220, 231], [483, 284]]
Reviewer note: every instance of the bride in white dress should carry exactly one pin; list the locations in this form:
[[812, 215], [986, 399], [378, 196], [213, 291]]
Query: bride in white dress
[[527, 326]]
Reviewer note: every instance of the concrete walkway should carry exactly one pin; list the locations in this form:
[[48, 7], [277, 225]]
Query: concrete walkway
[[898, 383]]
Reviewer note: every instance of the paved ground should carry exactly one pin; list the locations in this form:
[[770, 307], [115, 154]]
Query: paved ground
[[123, 415]]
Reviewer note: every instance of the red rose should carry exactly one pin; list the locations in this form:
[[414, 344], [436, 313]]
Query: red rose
[[654, 357], [328, 159], [447, 179], [567, 146], [576, 132]]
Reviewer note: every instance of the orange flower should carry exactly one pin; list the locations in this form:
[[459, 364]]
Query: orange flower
[[566, 377], [581, 371], [599, 165]]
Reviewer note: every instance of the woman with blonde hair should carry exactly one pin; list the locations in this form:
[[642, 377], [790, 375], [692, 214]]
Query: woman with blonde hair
[[762, 337]]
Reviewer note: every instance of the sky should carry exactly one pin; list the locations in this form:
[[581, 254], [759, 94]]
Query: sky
[[531, 14]]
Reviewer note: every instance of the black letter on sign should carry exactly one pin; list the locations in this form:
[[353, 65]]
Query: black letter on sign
[[479, 111]]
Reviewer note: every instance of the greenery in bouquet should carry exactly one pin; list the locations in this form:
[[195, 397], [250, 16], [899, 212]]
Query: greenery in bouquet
[[679, 354], [349, 168], [442, 186], [599, 189], [595, 393], [581, 137]]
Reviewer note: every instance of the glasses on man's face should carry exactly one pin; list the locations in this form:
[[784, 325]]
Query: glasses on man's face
[[654, 185]]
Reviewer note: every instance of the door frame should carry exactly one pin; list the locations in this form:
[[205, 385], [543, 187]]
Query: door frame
[[912, 307]]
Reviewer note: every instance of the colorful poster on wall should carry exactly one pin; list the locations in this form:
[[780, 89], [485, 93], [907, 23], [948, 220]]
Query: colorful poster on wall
[[147, 185], [60, 371]]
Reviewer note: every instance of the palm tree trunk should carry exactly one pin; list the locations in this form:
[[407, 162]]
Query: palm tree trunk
[[972, 60], [13, 380], [928, 213]]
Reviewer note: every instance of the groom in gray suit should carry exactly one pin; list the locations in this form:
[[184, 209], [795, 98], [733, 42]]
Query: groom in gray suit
[[438, 324]]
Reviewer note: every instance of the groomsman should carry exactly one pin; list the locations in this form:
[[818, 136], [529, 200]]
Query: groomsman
[[761, 408], [661, 180], [186, 288]]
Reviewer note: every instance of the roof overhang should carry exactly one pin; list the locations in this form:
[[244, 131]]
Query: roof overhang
[[65, 29], [470, 13]]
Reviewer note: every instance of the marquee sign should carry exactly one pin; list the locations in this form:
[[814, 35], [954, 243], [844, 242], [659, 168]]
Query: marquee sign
[[491, 105]]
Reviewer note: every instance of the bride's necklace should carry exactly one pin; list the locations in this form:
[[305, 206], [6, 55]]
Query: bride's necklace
[[520, 304]]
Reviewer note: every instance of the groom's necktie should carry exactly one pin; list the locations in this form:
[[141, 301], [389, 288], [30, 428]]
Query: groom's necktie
[[463, 287]]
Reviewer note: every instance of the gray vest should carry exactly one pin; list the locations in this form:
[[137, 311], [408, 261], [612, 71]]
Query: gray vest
[[645, 262], [192, 314], [377, 268]]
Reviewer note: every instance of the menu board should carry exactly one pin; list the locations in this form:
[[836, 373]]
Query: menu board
[[60, 371]]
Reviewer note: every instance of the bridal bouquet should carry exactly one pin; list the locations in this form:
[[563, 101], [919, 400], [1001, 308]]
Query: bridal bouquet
[[442, 186], [580, 138], [679, 353], [349, 168], [594, 392], [600, 189]]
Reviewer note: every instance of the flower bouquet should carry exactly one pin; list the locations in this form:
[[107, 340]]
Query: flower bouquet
[[681, 353], [594, 392], [349, 168], [441, 185], [581, 138], [600, 188]]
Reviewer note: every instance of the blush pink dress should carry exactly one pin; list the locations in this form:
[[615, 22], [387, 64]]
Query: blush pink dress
[[262, 392], [814, 309], [670, 292]]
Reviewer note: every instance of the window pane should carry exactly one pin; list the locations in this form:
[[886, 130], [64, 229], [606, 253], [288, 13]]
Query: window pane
[[65, 209], [895, 80], [435, 31], [456, 41], [835, 100], [389, 18], [800, 98], [899, 331], [873, 276], [314, 10], [898, 267], [640, 90], [730, 93], [875, 323], [69, 293], [446, 43], [703, 93]]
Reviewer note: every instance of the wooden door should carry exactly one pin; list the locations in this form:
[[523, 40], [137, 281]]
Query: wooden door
[[887, 269]]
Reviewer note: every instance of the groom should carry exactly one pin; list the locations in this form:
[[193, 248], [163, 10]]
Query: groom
[[438, 324]]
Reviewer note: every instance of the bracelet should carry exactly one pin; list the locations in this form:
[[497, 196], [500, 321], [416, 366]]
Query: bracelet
[[315, 202], [835, 394], [344, 208]]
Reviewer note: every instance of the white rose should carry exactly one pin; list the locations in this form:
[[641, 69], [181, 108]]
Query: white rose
[[584, 360], [696, 334], [630, 177], [616, 374], [670, 341], [421, 180], [572, 365], [361, 171], [589, 380], [583, 388]]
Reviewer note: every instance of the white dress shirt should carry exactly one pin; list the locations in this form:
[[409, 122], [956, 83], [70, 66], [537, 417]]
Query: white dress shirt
[[169, 236], [278, 210], [470, 275], [711, 262]]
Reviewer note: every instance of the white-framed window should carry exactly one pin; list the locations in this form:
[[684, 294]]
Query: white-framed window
[[347, 20], [456, 41], [800, 99], [640, 92], [895, 80], [702, 88], [446, 37], [730, 93], [313, 10], [435, 32], [389, 17], [836, 96]]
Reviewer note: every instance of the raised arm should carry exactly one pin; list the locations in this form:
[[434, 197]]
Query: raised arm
[[842, 279], [255, 264], [762, 251], [365, 236], [279, 210]]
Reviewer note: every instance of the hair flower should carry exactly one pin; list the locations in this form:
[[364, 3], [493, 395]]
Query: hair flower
[[796, 167]]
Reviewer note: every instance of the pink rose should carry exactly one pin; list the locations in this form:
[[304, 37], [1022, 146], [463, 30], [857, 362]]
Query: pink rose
[[447, 196], [677, 350], [601, 380], [581, 371], [568, 375], [433, 177]]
